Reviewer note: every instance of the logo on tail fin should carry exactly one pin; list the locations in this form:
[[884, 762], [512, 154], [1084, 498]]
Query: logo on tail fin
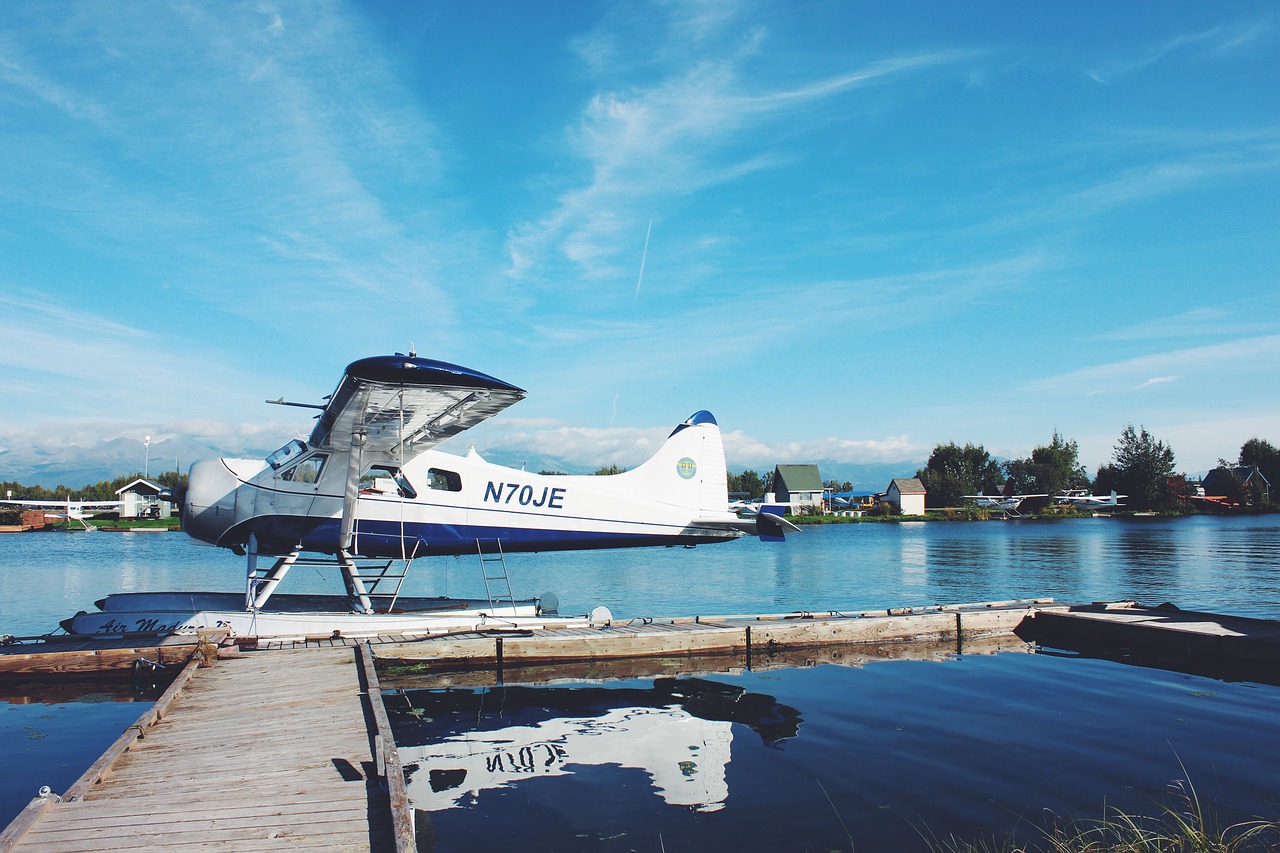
[[686, 468]]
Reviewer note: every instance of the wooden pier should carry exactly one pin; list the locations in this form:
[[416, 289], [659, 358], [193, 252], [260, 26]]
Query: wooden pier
[[261, 751], [75, 655], [289, 745], [750, 638]]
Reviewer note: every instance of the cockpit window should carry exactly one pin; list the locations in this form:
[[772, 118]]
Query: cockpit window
[[306, 471], [445, 481], [286, 454]]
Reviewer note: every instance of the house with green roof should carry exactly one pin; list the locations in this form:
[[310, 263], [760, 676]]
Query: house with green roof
[[799, 487]]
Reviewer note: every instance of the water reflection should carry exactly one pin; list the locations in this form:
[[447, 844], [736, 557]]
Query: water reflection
[[456, 744]]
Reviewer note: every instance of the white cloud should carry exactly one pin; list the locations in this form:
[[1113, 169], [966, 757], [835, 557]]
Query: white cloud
[[1224, 41], [1157, 380], [677, 137], [1244, 355]]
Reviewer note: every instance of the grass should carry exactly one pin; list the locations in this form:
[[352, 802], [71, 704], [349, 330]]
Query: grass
[[1181, 825]]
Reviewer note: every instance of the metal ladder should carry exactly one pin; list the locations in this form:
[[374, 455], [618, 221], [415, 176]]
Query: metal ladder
[[366, 580], [493, 568]]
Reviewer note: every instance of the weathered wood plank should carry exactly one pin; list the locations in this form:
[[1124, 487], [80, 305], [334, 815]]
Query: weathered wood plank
[[401, 811], [278, 740]]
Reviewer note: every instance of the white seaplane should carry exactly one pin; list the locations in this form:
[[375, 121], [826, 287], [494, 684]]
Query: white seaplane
[[368, 489], [70, 510], [1007, 502], [1084, 499]]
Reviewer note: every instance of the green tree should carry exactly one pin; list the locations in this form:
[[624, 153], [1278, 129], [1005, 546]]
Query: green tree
[[1052, 468], [1141, 468], [609, 469], [954, 471], [748, 483], [1260, 454]]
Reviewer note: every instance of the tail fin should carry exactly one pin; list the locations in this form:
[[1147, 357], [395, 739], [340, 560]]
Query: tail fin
[[688, 470]]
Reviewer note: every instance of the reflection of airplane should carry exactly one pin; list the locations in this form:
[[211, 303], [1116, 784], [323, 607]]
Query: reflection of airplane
[[1082, 499], [679, 732], [1007, 502], [368, 484], [71, 510]]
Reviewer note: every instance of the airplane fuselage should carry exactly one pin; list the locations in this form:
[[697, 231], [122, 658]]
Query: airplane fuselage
[[441, 503]]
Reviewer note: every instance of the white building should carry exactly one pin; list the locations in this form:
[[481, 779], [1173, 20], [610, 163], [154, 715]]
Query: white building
[[141, 499], [907, 494]]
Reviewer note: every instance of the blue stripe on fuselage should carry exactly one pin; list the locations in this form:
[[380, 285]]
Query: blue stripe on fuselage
[[384, 539]]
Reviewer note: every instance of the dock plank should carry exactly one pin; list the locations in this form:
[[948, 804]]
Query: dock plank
[[261, 751]]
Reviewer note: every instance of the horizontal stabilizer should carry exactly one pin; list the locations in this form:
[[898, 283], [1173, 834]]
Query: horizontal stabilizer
[[770, 527]]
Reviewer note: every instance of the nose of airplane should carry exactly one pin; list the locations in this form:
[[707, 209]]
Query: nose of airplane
[[210, 507]]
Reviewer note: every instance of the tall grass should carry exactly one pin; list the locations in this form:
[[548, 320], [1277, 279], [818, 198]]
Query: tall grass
[[1182, 824]]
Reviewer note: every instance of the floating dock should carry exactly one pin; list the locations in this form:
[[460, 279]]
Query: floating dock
[[289, 744]]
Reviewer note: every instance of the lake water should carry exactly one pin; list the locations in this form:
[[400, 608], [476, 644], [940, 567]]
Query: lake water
[[815, 758]]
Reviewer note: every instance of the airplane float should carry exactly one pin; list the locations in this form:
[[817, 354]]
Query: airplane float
[[1007, 502], [368, 488]]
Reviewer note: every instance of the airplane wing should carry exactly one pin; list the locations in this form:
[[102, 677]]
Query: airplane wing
[[403, 405]]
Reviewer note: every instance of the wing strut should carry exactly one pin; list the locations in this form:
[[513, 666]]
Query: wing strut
[[350, 502]]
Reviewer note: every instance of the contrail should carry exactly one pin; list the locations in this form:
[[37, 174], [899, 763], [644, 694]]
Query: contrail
[[643, 255]]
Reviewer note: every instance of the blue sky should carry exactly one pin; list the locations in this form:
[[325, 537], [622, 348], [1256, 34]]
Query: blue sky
[[870, 227]]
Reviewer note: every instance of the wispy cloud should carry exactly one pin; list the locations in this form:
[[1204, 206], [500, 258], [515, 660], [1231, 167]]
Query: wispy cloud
[[1202, 322], [1218, 42], [647, 146], [255, 148], [1246, 355]]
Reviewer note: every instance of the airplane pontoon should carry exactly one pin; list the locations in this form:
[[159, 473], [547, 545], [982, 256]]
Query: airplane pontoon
[[369, 492]]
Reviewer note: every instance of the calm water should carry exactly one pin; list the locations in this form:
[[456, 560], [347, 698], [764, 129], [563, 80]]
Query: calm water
[[874, 754]]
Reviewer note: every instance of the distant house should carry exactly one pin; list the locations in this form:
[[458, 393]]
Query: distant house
[[141, 499], [907, 494], [797, 486], [1245, 481]]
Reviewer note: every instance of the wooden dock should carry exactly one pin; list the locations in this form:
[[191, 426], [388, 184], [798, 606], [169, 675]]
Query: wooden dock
[[289, 745], [1211, 644], [76, 655], [261, 751], [750, 638]]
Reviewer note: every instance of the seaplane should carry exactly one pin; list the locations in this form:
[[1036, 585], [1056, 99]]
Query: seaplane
[[370, 492], [1007, 502], [1082, 499], [68, 509]]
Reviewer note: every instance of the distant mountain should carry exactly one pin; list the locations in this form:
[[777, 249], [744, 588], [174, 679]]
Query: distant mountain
[[51, 464], [74, 466]]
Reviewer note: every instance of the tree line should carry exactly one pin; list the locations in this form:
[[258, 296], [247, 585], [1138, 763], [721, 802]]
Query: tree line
[[1141, 467], [102, 491]]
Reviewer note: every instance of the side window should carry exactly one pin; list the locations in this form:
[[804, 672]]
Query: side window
[[444, 481], [385, 480], [306, 471]]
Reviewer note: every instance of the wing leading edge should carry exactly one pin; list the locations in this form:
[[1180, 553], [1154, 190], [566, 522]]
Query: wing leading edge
[[403, 405]]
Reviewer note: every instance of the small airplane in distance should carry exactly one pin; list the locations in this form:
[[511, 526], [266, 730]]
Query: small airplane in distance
[[1082, 499], [1007, 502], [70, 510]]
